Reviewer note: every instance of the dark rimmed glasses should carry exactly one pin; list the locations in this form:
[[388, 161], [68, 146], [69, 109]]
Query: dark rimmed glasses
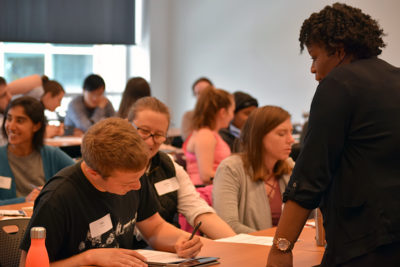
[[157, 138]]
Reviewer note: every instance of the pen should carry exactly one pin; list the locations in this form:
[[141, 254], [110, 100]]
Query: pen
[[195, 230], [34, 186]]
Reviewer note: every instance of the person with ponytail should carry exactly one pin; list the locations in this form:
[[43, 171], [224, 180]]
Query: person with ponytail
[[204, 148], [48, 92]]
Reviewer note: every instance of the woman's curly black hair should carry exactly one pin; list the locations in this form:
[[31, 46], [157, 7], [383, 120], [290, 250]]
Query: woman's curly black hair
[[344, 26]]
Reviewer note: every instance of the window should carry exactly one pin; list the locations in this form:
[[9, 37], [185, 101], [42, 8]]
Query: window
[[71, 70], [20, 65], [67, 64]]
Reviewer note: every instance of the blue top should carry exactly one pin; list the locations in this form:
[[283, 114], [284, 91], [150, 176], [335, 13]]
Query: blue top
[[81, 117], [53, 160]]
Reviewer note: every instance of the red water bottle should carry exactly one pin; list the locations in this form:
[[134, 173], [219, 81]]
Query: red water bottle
[[37, 253]]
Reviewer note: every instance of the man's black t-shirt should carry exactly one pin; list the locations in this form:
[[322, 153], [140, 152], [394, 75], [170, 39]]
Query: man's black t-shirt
[[78, 217]]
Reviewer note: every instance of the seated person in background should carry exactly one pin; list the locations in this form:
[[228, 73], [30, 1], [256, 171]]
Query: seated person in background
[[25, 163], [53, 94], [5, 98], [244, 104], [87, 109], [100, 200], [198, 86], [248, 186], [204, 148], [135, 88], [49, 92], [151, 118]]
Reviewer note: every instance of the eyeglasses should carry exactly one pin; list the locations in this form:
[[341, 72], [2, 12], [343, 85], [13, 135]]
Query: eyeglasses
[[157, 138]]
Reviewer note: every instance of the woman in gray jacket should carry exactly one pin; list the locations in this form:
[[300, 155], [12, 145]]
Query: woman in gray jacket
[[248, 186]]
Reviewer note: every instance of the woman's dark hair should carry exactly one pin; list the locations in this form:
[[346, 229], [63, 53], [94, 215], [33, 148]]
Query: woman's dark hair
[[93, 82], [344, 26], [51, 86], [34, 109], [2, 81], [201, 79], [135, 88]]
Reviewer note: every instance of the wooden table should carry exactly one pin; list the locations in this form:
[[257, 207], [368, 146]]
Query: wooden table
[[305, 253], [27, 207], [61, 141], [69, 144]]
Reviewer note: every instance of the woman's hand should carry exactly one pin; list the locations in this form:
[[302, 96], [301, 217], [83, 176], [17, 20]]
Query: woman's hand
[[278, 258]]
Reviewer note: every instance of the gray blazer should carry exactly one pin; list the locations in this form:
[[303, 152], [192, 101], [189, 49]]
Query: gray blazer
[[238, 200]]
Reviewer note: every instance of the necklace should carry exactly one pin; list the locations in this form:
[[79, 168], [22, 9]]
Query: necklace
[[271, 187]]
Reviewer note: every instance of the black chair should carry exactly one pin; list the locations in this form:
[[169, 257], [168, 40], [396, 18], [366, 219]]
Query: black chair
[[10, 241]]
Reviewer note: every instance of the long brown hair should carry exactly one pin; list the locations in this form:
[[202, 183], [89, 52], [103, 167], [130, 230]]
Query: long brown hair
[[135, 89], [260, 122], [210, 101]]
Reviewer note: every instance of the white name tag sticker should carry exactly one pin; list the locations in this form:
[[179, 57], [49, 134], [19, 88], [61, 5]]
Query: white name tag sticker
[[5, 182], [101, 226], [167, 186]]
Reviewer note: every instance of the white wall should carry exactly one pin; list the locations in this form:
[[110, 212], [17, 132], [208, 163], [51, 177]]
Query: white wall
[[243, 45]]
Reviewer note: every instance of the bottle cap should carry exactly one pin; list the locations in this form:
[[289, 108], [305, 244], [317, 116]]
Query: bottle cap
[[38, 232]]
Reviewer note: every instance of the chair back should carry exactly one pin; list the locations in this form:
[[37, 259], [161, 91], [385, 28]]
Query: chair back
[[11, 233]]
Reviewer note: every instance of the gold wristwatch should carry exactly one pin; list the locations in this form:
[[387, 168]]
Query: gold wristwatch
[[283, 244]]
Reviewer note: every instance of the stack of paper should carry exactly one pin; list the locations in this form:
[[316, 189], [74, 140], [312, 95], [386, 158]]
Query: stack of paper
[[248, 239]]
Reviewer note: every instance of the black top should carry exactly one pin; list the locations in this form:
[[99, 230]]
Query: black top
[[230, 139], [163, 168], [351, 159], [69, 203]]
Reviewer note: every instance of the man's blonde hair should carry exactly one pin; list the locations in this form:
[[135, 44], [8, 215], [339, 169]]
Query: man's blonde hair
[[113, 144]]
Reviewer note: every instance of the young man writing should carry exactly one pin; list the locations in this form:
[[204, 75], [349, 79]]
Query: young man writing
[[90, 209]]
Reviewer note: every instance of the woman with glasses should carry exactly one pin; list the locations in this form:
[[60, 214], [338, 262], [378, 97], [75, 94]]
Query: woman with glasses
[[172, 185], [25, 163]]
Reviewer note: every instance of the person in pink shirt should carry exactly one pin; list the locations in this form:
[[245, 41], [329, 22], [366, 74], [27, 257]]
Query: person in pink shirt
[[205, 149]]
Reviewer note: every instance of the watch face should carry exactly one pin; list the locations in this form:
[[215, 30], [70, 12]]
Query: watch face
[[283, 244]]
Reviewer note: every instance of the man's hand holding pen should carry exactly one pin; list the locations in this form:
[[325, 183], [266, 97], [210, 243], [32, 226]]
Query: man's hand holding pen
[[189, 248]]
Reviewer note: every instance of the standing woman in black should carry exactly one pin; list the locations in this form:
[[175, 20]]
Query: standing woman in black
[[349, 165]]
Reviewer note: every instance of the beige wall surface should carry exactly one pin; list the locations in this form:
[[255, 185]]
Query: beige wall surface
[[243, 45]]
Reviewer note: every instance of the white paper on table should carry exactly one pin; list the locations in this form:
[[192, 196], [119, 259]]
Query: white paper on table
[[12, 213], [248, 239], [159, 256], [310, 223]]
